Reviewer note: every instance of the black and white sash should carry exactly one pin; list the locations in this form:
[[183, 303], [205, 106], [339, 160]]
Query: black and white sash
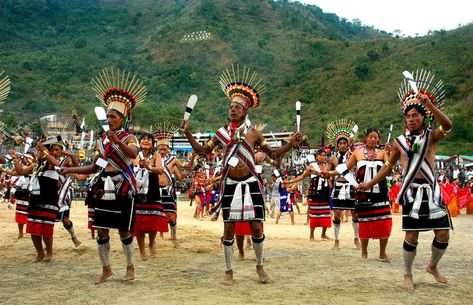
[[419, 163]]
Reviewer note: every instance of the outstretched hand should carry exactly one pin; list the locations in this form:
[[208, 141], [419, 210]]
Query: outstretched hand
[[63, 170]]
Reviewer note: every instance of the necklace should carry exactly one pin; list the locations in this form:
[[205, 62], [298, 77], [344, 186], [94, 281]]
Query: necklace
[[368, 156]]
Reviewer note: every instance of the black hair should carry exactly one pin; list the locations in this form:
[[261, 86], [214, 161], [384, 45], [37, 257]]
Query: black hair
[[342, 138], [419, 108], [318, 152], [370, 130]]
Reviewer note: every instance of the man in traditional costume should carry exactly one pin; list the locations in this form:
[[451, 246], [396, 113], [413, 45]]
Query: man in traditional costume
[[113, 189], [241, 188], [420, 194], [339, 134], [167, 182]]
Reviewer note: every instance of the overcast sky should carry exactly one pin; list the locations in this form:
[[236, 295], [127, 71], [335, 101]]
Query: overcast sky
[[410, 17]]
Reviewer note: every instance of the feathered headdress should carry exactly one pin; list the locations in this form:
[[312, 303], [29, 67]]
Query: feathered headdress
[[340, 129], [242, 86], [4, 87], [424, 80], [119, 91], [164, 132]]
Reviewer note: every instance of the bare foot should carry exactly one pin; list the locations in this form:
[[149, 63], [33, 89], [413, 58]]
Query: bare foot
[[228, 279], [248, 247], [241, 257], [312, 238], [143, 257], [356, 241], [48, 257], [438, 277], [325, 237], [364, 257], [129, 274], [20, 236], [175, 243], [152, 249], [408, 283], [336, 245], [76, 241], [385, 258], [263, 277], [39, 257], [161, 236], [106, 273]]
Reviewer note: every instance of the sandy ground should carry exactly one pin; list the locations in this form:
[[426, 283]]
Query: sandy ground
[[302, 272]]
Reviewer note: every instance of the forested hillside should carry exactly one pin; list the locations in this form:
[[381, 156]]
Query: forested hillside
[[338, 69]]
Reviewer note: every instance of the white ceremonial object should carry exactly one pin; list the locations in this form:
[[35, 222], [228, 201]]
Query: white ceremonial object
[[102, 117], [343, 170], [298, 115], [310, 158], [390, 132], [28, 142], [190, 106], [53, 140], [354, 131], [411, 81], [276, 173]]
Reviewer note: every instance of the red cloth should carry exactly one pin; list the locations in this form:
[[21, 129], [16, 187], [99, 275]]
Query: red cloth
[[394, 192], [464, 197], [243, 228], [149, 223], [21, 218], [380, 229], [325, 222]]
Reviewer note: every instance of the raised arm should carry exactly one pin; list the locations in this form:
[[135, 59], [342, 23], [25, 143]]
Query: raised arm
[[199, 149], [444, 121], [275, 154], [305, 174]]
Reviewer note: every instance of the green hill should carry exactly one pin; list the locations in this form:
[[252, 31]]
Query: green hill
[[337, 69]]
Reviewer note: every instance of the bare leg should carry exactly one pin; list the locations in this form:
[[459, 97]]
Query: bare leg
[[383, 243], [228, 240], [20, 230], [258, 245], [228, 279], [278, 215], [336, 229], [103, 247], [69, 226], [312, 238], [152, 243], [324, 234], [129, 250], [240, 239], [364, 249], [439, 246], [248, 242], [291, 214], [408, 254], [38, 244], [48, 241], [140, 239]]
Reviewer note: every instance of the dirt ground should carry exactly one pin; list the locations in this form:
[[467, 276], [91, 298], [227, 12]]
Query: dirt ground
[[302, 272]]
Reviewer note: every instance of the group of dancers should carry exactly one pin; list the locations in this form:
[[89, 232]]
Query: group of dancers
[[132, 182]]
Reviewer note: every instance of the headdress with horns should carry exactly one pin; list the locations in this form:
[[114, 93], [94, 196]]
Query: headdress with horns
[[340, 129], [119, 91], [426, 84], [242, 86]]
